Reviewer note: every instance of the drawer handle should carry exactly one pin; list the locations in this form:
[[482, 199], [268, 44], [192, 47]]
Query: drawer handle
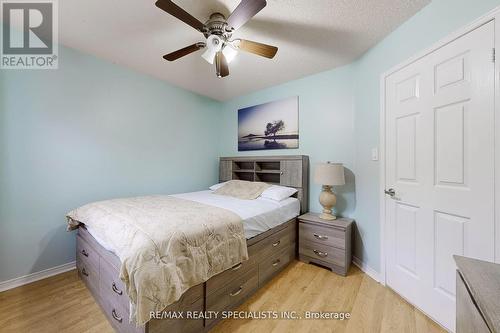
[[236, 293], [277, 243], [116, 317], [320, 237], [115, 289], [276, 263], [235, 268], [321, 254], [281, 172], [84, 272], [85, 253]]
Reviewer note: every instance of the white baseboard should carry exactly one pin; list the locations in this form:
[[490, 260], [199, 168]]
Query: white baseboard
[[22, 280], [367, 269]]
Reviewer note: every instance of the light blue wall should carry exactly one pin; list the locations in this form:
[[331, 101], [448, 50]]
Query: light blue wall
[[88, 131], [339, 113], [431, 24], [325, 124], [92, 130]]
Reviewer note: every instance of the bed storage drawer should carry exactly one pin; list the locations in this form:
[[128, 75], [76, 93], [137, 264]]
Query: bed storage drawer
[[113, 290], [234, 293], [268, 254], [193, 294], [184, 325], [88, 274], [268, 268], [118, 316], [87, 264], [192, 301], [221, 280], [88, 255], [116, 307], [275, 243], [111, 286]]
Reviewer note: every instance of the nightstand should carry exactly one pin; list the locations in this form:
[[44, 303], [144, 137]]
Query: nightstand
[[326, 243]]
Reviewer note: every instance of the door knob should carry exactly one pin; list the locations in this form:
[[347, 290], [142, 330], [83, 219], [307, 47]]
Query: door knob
[[390, 192]]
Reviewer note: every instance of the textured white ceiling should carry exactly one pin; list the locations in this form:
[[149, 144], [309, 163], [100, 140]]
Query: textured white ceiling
[[312, 36]]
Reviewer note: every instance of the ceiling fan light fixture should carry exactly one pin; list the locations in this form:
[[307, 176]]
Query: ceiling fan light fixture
[[220, 49], [229, 52], [214, 45], [209, 55]]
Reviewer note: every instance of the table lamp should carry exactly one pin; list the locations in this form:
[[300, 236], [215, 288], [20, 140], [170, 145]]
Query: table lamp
[[328, 174]]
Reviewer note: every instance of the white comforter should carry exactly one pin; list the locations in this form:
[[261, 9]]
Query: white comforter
[[166, 245]]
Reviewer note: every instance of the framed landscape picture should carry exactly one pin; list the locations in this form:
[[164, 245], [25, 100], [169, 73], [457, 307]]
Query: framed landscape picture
[[273, 125]]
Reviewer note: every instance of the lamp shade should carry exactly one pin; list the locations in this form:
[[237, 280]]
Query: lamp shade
[[329, 174]]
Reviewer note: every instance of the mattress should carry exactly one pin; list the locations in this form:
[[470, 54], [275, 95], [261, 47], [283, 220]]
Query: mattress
[[258, 215]]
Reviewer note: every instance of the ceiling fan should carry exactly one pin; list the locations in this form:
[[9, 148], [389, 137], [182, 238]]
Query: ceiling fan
[[218, 30]]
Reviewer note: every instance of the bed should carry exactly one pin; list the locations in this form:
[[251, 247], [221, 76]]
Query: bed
[[270, 229]]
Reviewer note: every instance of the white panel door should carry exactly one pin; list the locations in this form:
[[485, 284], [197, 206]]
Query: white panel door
[[440, 163]]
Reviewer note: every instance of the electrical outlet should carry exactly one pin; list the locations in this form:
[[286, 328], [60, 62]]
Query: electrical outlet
[[374, 154]]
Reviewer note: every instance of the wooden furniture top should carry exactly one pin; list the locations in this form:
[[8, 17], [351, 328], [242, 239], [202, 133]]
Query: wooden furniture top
[[482, 279], [340, 222]]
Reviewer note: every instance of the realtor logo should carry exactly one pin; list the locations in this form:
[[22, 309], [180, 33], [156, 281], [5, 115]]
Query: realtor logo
[[29, 34]]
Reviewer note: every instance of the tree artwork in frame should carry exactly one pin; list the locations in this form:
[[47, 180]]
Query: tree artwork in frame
[[273, 125]]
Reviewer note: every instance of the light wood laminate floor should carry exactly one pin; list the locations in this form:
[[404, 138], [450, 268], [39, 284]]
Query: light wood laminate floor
[[63, 304]]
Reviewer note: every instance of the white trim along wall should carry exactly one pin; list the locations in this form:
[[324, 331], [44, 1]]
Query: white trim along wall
[[367, 269], [22, 280]]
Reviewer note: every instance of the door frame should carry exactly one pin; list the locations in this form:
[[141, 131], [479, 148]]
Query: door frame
[[493, 15]]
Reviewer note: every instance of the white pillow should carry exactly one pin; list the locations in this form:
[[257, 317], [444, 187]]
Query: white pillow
[[217, 186], [278, 193]]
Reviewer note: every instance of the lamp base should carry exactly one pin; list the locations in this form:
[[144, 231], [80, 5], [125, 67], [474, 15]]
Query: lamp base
[[329, 217], [327, 199]]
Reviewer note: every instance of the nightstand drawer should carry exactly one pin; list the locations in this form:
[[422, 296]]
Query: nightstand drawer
[[327, 236], [323, 252]]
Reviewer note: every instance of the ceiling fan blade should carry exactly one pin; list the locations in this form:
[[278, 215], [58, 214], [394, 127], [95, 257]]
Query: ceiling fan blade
[[181, 14], [263, 50], [184, 51], [221, 67], [244, 12]]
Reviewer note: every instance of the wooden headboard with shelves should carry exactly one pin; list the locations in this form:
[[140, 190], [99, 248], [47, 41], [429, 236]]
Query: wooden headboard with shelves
[[291, 171]]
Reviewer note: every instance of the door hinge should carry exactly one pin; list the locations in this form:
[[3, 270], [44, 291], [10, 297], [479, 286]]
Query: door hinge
[[494, 56]]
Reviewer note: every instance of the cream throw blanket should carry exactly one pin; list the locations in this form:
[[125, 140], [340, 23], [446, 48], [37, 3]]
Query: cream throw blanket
[[242, 189], [166, 245]]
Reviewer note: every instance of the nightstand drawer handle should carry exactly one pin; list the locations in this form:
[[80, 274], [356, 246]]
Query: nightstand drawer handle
[[235, 268], [85, 253], [276, 263], [320, 237], [277, 243], [84, 272], [236, 293], [115, 289], [321, 254], [116, 317]]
